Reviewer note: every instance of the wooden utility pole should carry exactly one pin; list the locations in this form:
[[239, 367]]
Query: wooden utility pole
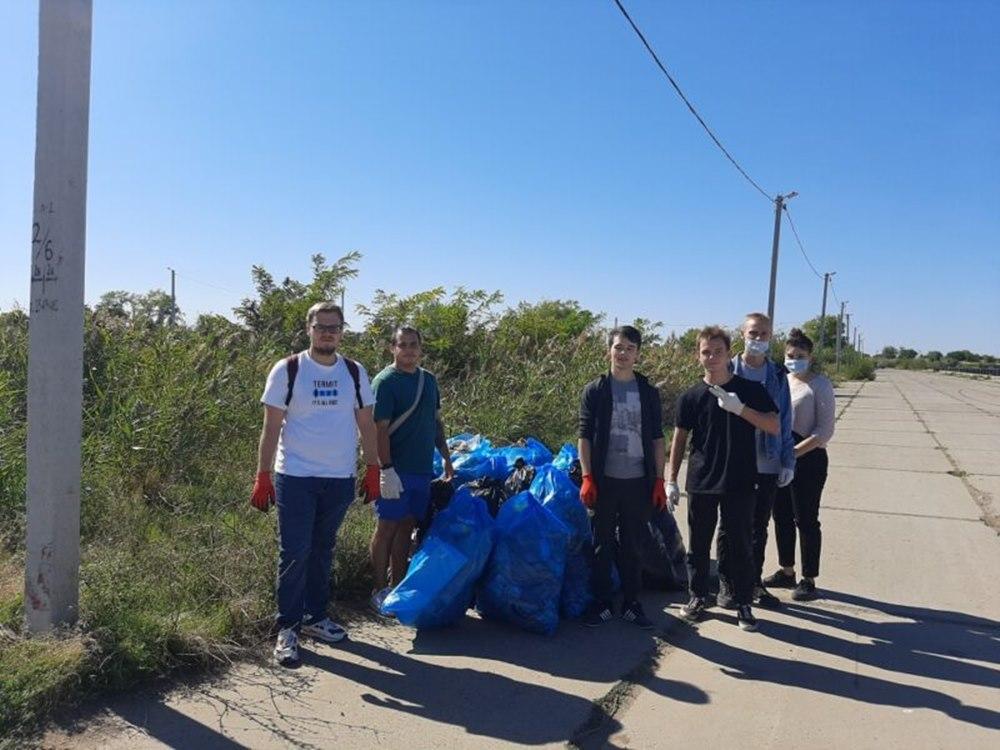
[[822, 313], [55, 332]]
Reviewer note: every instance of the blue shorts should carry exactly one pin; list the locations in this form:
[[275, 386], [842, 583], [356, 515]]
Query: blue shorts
[[413, 501]]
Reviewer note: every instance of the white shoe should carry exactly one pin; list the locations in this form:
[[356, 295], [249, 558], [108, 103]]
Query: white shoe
[[325, 630], [286, 649]]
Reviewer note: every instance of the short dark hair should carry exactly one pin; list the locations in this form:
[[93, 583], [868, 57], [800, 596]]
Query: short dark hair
[[629, 333], [714, 332], [799, 340], [403, 330]]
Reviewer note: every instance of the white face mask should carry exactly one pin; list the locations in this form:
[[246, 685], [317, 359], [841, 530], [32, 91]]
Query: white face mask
[[757, 347], [797, 365]]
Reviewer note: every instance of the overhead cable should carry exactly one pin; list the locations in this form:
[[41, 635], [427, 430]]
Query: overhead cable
[[690, 106], [798, 240]]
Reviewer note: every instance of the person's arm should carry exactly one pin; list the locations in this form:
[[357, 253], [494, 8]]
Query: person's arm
[[382, 438], [441, 443], [785, 413], [369, 435], [765, 421], [677, 445], [824, 402], [660, 454], [583, 448], [274, 418]]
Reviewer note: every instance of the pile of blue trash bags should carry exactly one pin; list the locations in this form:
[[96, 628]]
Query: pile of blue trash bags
[[530, 565]]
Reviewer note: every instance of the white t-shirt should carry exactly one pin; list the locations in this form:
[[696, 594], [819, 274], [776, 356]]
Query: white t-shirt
[[320, 435]]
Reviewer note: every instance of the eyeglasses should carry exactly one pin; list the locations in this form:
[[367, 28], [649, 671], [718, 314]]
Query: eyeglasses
[[324, 328]]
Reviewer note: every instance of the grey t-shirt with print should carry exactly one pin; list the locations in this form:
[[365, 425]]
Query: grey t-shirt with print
[[625, 455]]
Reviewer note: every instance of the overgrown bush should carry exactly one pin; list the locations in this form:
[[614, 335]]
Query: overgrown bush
[[177, 568]]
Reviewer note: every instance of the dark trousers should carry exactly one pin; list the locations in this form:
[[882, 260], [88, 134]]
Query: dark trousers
[[767, 485], [797, 507], [310, 511], [735, 510], [621, 517]]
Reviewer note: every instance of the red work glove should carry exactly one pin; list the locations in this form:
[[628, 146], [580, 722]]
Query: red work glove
[[263, 491], [370, 484], [659, 495], [588, 491]]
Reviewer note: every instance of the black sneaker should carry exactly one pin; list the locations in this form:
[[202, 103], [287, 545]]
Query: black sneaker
[[805, 591], [780, 580], [633, 613], [765, 598], [694, 609], [745, 618], [597, 614], [725, 596]]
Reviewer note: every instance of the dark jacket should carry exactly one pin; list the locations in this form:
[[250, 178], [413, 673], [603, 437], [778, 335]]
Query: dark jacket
[[595, 423]]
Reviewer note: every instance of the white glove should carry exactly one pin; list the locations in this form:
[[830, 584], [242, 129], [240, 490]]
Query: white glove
[[389, 485], [673, 496], [785, 477], [728, 401]]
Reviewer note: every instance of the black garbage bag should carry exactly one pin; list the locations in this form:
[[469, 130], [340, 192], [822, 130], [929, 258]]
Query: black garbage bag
[[663, 554], [441, 494], [491, 490]]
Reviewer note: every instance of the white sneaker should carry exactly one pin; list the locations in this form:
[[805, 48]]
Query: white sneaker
[[325, 630], [286, 649], [378, 599]]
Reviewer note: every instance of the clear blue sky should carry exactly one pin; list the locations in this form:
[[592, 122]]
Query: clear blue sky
[[533, 147]]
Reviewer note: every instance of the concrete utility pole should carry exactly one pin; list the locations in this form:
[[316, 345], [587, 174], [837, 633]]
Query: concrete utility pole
[[173, 296], [847, 329], [779, 204], [822, 313], [840, 327], [55, 331]]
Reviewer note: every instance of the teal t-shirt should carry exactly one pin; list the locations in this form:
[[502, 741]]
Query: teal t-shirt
[[412, 445]]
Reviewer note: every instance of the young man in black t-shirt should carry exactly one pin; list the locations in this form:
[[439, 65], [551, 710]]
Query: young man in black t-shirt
[[720, 414]]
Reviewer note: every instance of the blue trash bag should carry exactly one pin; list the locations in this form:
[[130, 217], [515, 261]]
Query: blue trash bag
[[554, 490], [532, 452], [566, 456], [524, 576], [480, 464], [437, 597]]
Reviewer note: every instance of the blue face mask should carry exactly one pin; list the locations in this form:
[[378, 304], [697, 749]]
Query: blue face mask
[[797, 365], [757, 347]]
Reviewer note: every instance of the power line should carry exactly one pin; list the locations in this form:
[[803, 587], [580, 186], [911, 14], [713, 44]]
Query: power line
[[798, 240], [205, 283], [690, 106]]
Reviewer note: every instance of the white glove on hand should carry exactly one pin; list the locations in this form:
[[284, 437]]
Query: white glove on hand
[[389, 484], [728, 401], [785, 477], [673, 496]]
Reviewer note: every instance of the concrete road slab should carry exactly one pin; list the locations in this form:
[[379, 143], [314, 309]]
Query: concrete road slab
[[873, 490], [976, 461], [888, 457], [853, 435], [902, 424]]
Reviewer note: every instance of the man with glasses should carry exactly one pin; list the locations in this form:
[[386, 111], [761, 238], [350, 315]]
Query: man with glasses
[[316, 403]]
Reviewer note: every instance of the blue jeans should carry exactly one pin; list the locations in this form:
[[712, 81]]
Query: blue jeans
[[310, 511]]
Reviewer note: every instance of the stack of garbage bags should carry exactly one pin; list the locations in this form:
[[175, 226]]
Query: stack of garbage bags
[[515, 541]]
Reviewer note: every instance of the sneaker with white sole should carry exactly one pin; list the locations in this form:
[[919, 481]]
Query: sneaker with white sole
[[286, 648], [325, 630], [694, 609], [745, 618], [597, 614]]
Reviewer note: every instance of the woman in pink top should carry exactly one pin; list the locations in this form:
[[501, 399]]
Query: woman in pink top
[[796, 507]]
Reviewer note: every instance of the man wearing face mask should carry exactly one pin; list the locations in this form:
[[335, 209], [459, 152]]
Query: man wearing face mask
[[775, 453]]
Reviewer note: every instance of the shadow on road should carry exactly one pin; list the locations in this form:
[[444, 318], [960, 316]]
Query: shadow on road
[[483, 703]]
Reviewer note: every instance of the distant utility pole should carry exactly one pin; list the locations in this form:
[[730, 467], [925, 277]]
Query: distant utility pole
[[779, 204], [847, 329], [173, 296], [55, 328], [822, 314], [840, 328]]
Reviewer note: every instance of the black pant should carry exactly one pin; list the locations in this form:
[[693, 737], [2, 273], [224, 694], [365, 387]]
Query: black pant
[[797, 506], [767, 484], [624, 507], [736, 528]]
